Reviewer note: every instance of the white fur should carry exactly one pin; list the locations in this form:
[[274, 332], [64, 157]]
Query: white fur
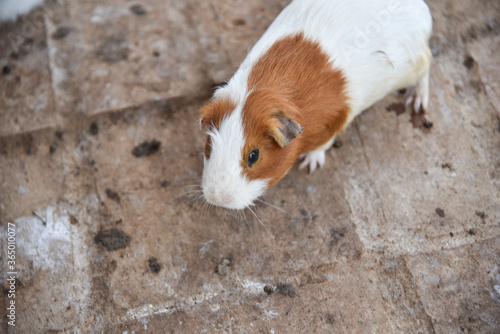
[[11, 9], [223, 182], [379, 45]]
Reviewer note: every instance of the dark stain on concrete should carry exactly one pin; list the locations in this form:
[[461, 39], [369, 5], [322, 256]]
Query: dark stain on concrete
[[146, 148], [112, 239]]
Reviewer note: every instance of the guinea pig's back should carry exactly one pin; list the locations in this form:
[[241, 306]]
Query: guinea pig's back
[[379, 45]]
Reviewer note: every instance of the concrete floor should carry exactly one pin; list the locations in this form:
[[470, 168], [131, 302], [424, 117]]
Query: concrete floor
[[398, 233]]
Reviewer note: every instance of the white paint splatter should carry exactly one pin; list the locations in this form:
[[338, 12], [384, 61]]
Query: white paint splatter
[[271, 314], [178, 303], [50, 247], [22, 190], [311, 189], [490, 320], [107, 13], [203, 250], [252, 287]]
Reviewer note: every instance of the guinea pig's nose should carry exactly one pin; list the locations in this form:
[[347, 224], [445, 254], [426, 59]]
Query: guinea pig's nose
[[225, 199], [221, 199]]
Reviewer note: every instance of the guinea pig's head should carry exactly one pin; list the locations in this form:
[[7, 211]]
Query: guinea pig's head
[[250, 146]]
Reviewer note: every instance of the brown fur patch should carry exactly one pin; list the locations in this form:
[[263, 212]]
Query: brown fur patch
[[208, 147], [294, 79], [212, 114]]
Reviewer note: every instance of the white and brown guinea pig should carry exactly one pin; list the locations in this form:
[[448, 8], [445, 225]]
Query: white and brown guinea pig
[[319, 64]]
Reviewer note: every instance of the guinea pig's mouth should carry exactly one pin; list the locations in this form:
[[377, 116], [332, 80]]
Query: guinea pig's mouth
[[225, 199]]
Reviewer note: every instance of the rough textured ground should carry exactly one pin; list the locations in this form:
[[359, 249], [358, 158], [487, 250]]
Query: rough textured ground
[[398, 233]]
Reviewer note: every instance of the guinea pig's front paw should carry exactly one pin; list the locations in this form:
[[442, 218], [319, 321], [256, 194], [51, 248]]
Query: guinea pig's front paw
[[313, 159]]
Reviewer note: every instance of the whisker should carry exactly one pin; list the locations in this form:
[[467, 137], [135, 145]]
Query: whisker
[[194, 185], [205, 206], [188, 197], [193, 190], [196, 204], [209, 206], [260, 221], [272, 206], [191, 193], [197, 200], [247, 222]]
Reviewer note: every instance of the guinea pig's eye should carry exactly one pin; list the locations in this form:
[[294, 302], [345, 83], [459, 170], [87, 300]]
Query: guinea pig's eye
[[253, 157]]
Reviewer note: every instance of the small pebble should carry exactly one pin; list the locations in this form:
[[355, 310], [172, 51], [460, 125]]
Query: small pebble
[[223, 268], [446, 165], [138, 9], [6, 70], [154, 265], [469, 62], [268, 289], [113, 195], [94, 129], [481, 214], [330, 319], [73, 220], [61, 32], [337, 144], [239, 22], [428, 124], [440, 212]]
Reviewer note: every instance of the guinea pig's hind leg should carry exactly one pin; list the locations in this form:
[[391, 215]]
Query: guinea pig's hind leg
[[420, 99]]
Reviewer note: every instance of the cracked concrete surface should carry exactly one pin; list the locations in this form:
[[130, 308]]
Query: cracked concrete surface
[[398, 233]]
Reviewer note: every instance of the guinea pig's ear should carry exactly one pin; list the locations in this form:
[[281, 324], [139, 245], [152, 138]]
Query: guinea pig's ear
[[204, 122], [283, 129], [204, 118], [214, 111]]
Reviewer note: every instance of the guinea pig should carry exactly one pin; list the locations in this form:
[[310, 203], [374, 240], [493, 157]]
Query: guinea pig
[[318, 65]]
